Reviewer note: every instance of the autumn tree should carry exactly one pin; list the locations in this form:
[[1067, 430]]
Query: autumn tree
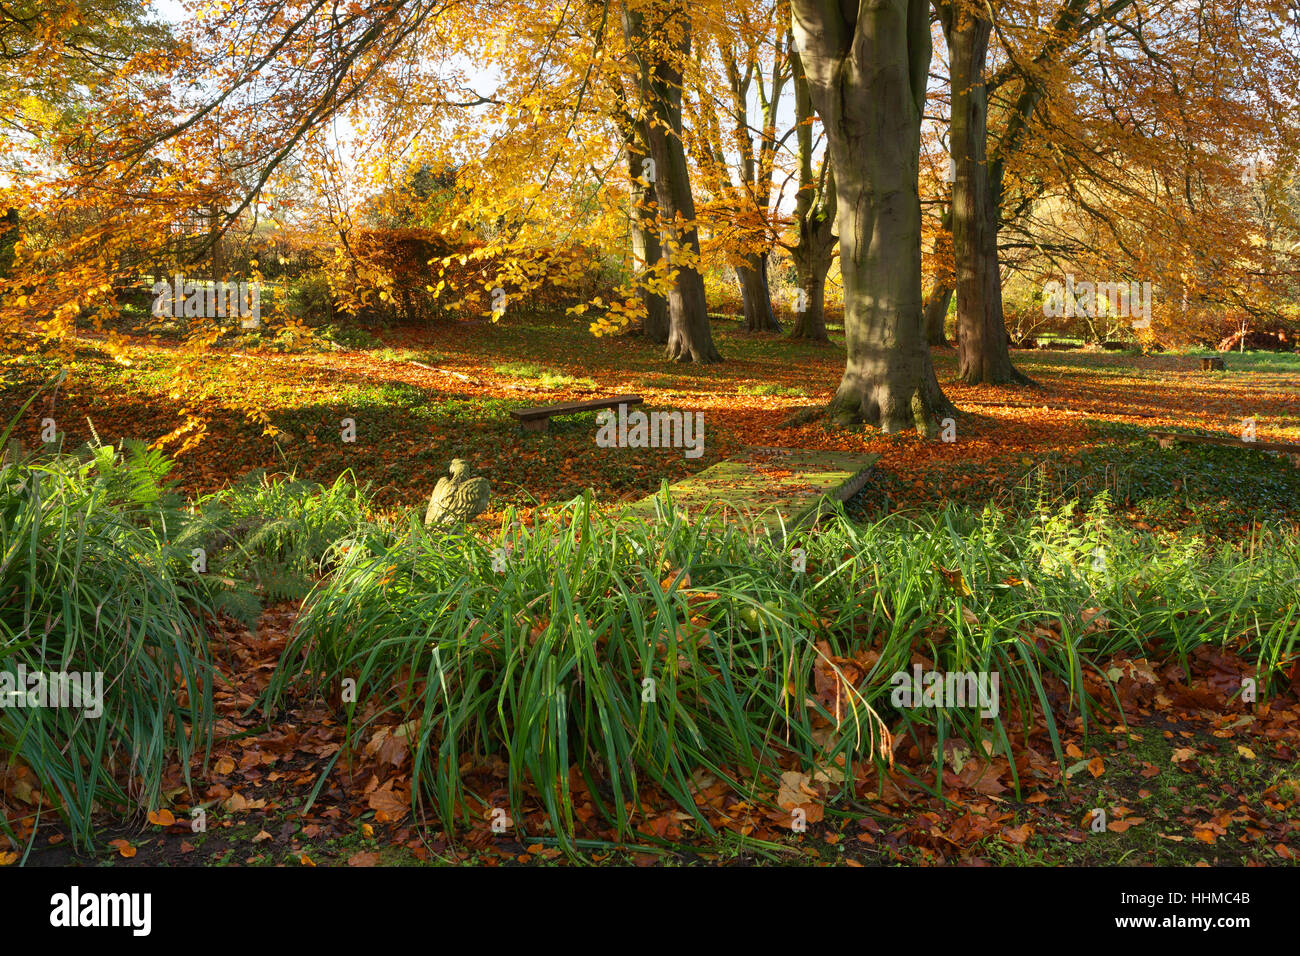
[[1163, 155], [980, 168], [643, 226], [750, 62], [658, 35], [867, 66], [814, 217]]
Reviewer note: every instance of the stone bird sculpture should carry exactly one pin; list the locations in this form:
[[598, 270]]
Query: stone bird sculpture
[[457, 499]]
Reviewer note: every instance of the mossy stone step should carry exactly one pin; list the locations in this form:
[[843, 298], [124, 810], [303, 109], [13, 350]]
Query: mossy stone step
[[766, 487]]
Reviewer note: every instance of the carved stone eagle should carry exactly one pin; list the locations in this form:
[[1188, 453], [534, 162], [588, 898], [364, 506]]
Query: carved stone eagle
[[457, 499]]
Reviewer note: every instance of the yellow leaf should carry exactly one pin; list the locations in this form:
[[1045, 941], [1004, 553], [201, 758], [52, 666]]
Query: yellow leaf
[[955, 579]]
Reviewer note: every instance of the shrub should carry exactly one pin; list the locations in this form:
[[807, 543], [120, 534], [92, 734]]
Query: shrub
[[311, 300], [271, 539], [348, 336]]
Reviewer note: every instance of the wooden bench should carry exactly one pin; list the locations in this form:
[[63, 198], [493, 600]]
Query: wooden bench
[[1292, 451], [538, 419], [1213, 364]]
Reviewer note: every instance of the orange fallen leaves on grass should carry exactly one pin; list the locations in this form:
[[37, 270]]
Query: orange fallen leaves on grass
[[1119, 826], [1018, 836], [389, 805]]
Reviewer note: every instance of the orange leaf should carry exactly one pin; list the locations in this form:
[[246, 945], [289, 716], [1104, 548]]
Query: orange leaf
[[1119, 826], [1018, 835]]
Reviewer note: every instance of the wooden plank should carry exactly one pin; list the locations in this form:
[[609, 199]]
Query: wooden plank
[[571, 408]]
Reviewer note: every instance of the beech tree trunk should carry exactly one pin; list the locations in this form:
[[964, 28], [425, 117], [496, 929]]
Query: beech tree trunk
[[646, 248], [942, 286], [815, 218], [982, 337], [867, 64], [659, 38], [935, 312], [810, 321], [757, 296]]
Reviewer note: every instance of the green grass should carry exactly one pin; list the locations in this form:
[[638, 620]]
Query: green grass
[[535, 646], [1253, 362], [542, 377], [274, 538], [1215, 491], [772, 389], [104, 570], [424, 356]]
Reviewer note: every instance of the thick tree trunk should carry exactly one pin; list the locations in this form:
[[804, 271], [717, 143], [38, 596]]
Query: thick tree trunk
[[646, 248], [815, 210], [935, 311], [660, 45], [867, 69], [982, 338], [942, 286], [810, 320], [757, 296]]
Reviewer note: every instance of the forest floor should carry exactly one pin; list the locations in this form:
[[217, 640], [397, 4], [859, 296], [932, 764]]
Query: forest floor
[[1185, 782], [422, 397]]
